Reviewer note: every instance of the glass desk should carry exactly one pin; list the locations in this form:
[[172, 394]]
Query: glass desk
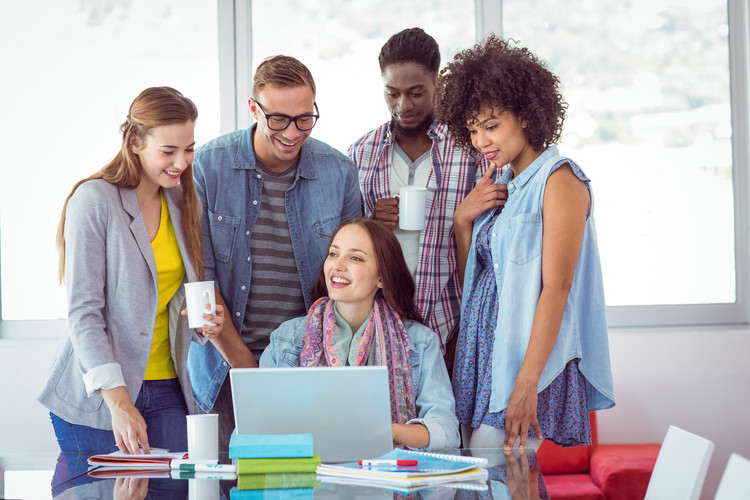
[[58, 477]]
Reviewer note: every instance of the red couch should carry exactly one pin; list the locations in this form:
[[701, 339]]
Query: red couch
[[598, 471]]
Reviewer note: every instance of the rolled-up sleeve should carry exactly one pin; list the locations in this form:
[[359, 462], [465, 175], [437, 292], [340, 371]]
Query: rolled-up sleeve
[[107, 376]]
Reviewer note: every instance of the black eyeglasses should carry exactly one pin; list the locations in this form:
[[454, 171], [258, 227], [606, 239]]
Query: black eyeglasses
[[281, 122]]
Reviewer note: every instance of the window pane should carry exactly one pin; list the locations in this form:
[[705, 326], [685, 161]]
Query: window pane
[[340, 41], [66, 87], [647, 82]]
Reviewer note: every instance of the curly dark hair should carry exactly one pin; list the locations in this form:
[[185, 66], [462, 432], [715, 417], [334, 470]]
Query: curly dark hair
[[411, 45], [499, 75]]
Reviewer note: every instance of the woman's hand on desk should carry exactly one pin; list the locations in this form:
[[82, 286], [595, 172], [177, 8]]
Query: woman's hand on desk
[[522, 483], [413, 435], [521, 413], [130, 488], [128, 425]]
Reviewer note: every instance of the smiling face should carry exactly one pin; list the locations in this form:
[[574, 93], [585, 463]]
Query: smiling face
[[410, 96], [351, 270], [165, 154], [279, 149], [500, 137]]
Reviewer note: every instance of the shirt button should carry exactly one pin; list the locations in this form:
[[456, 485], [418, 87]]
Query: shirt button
[[494, 234], [248, 259], [255, 202], [511, 185], [247, 233], [224, 363], [220, 217], [242, 287], [237, 314], [258, 176], [497, 265]]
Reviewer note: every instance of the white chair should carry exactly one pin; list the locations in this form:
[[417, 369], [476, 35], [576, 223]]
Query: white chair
[[680, 466], [735, 482]]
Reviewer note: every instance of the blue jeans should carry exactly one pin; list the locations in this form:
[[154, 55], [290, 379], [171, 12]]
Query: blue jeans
[[162, 406]]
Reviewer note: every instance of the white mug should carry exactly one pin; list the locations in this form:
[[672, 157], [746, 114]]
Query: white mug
[[197, 295], [203, 489], [203, 436], [412, 202]]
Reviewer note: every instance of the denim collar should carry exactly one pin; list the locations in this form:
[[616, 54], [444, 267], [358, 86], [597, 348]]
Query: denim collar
[[528, 173]]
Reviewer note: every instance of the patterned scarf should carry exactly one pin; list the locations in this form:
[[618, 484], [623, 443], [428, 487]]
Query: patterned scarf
[[386, 330]]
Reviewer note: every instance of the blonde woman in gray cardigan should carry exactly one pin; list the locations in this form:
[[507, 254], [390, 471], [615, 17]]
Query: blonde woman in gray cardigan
[[129, 237]]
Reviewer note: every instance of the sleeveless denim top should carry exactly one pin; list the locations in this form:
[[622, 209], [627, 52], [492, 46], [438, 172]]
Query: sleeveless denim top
[[517, 260]]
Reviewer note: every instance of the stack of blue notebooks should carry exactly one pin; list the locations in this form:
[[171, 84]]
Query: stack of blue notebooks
[[273, 466]]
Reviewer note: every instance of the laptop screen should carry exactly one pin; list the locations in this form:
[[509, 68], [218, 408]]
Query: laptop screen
[[347, 409]]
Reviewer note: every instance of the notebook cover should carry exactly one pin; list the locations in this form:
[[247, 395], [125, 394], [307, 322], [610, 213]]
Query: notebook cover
[[299, 493], [277, 481], [267, 465], [270, 445]]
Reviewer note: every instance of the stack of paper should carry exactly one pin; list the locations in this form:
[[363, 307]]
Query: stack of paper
[[273, 462], [431, 469]]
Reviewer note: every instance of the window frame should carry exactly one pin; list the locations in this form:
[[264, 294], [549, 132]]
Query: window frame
[[235, 66]]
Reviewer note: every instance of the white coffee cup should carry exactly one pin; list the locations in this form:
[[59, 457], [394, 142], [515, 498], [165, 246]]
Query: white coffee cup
[[203, 436], [412, 202], [203, 489], [197, 295]]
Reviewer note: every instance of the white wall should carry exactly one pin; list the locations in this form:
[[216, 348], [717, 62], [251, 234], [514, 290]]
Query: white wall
[[25, 426], [698, 380]]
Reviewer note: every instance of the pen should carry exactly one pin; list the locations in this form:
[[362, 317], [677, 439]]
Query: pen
[[387, 462], [208, 467], [178, 463]]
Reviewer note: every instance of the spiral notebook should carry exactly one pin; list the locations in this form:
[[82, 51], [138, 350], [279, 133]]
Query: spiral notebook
[[431, 468]]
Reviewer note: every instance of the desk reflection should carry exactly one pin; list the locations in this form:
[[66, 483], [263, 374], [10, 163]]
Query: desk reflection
[[511, 476]]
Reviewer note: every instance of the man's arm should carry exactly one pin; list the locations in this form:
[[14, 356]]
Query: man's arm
[[230, 344]]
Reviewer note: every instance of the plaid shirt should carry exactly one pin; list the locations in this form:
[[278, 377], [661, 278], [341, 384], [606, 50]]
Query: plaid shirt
[[453, 175]]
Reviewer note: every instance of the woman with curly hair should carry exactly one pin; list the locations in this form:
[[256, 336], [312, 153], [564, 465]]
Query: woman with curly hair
[[532, 357]]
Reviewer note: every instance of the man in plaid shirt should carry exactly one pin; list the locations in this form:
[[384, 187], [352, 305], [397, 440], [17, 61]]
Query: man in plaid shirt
[[413, 149]]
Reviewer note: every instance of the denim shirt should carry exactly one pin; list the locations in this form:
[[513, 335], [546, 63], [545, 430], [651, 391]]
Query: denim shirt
[[436, 406], [517, 256], [325, 193]]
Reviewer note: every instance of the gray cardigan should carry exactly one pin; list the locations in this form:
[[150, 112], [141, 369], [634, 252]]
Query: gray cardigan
[[111, 282]]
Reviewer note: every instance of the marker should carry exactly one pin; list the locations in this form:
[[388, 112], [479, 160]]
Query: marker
[[388, 462], [177, 463], [208, 467], [185, 474]]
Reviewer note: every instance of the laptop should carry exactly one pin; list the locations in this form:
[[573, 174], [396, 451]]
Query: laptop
[[347, 409]]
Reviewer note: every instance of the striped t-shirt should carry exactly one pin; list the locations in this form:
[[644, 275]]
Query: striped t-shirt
[[275, 289]]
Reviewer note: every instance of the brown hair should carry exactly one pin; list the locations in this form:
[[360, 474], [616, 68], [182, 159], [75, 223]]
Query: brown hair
[[154, 107], [501, 75], [398, 285], [281, 72]]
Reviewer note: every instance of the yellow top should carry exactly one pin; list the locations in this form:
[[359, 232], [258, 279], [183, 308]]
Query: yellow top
[[170, 272]]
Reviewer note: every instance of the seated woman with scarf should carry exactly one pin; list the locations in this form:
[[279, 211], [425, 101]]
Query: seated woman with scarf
[[363, 313]]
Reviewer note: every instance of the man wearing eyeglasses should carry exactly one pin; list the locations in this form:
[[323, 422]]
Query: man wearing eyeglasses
[[272, 197], [413, 149]]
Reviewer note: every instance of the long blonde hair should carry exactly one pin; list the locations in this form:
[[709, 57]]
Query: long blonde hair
[[154, 107]]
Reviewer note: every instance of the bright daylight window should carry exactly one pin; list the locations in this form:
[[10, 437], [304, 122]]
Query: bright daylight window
[[70, 71], [342, 51], [647, 82]]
